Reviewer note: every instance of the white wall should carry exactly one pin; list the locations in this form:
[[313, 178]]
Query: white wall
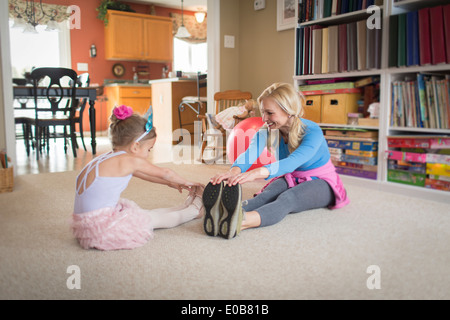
[[7, 131]]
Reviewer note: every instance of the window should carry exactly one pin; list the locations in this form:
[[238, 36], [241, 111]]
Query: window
[[189, 57], [44, 49]]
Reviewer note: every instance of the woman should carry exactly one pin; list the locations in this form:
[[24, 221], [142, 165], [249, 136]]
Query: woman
[[302, 179]]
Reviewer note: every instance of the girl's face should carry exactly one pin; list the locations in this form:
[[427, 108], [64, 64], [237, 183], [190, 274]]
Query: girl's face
[[274, 116], [144, 148]]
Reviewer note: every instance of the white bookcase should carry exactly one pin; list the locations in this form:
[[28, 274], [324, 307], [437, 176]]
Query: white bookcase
[[387, 76]]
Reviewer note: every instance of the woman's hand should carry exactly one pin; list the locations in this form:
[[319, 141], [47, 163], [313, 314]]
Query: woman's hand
[[258, 173], [218, 178]]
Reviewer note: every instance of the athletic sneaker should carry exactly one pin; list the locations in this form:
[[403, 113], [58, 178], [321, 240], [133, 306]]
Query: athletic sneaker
[[213, 208], [231, 220]]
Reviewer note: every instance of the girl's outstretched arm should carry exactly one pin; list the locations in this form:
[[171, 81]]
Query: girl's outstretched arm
[[149, 172]]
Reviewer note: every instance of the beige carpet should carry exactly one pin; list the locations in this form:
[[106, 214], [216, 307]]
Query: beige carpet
[[319, 254]]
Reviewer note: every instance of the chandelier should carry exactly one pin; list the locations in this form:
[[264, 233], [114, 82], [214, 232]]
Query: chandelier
[[29, 17], [182, 31]]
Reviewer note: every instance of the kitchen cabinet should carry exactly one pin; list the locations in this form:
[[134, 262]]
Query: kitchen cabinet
[[141, 37], [139, 97]]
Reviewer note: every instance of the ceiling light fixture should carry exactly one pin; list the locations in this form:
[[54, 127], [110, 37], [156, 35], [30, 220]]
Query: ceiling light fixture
[[200, 16], [182, 31], [29, 19]]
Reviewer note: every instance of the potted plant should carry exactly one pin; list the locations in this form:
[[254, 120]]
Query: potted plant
[[106, 5]]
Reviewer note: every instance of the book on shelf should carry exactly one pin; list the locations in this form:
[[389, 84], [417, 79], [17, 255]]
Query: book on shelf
[[406, 177], [361, 44], [366, 81], [423, 102], [333, 46], [337, 48], [355, 172], [353, 143], [350, 132], [443, 185], [363, 167], [412, 39], [330, 91], [402, 165], [446, 14], [316, 47], [419, 141], [309, 10], [438, 46], [424, 36], [328, 86], [393, 41], [420, 160], [353, 151], [420, 37]]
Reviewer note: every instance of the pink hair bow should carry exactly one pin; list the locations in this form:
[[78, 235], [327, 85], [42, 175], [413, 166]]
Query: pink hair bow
[[123, 112]]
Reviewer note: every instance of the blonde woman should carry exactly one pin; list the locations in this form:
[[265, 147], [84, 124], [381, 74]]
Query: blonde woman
[[303, 178]]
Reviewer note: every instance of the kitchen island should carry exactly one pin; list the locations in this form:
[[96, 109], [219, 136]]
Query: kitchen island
[[166, 97]]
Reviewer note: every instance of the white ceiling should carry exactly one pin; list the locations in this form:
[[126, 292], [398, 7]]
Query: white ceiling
[[191, 5]]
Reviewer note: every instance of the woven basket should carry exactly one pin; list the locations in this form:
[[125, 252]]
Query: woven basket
[[6, 180]]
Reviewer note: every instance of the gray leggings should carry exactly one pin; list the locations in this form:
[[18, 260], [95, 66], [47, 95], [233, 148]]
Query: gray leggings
[[277, 200]]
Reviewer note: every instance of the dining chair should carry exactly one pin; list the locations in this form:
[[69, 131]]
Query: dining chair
[[194, 103], [22, 117], [83, 81], [53, 110], [213, 138]]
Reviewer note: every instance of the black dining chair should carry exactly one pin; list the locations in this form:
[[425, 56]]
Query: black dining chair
[[57, 109], [22, 117], [83, 81]]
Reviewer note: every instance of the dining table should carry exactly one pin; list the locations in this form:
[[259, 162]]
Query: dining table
[[27, 92]]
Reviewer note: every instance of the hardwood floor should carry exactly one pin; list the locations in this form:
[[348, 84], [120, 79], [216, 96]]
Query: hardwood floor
[[57, 161]]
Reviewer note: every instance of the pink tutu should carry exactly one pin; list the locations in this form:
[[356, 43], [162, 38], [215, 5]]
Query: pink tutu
[[126, 226]]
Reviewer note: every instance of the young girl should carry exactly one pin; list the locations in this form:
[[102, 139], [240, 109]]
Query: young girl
[[303, 178], [102, 219]]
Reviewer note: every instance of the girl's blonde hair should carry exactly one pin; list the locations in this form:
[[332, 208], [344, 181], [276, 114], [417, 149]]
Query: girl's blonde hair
[[291, 102], [125, 132]]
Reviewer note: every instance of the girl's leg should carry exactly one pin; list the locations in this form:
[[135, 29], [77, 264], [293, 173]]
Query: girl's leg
[[305, 196], [171, 217], [187, 202]]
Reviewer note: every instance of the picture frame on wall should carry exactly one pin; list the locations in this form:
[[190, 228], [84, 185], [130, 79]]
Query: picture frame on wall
[[286, 14]]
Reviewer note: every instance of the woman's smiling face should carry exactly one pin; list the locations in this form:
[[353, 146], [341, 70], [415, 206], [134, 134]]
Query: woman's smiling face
[[273, 115]]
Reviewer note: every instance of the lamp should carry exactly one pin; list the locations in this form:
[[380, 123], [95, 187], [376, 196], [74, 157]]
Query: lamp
[[182, 31], [200, 16], [28, 19]]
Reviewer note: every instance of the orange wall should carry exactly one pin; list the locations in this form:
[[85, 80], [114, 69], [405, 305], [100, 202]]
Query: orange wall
[[92, 32]]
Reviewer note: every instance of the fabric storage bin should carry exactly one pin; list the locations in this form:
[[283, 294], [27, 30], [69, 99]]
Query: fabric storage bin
[[335, 107], [313, 108]]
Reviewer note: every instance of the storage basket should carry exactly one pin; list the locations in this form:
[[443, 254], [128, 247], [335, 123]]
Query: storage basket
[[6, 180]]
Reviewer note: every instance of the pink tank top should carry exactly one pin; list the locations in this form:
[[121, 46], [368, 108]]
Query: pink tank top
[[103, 192]]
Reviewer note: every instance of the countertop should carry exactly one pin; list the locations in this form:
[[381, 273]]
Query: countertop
[[140, 84], [127, 84], [172, 80]]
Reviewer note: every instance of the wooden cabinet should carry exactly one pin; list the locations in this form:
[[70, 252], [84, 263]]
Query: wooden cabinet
[[132, 36], [166, 97], [137, 97]]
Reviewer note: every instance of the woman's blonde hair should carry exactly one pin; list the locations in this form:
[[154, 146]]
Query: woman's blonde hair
[[125, 132], [290, 101]]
